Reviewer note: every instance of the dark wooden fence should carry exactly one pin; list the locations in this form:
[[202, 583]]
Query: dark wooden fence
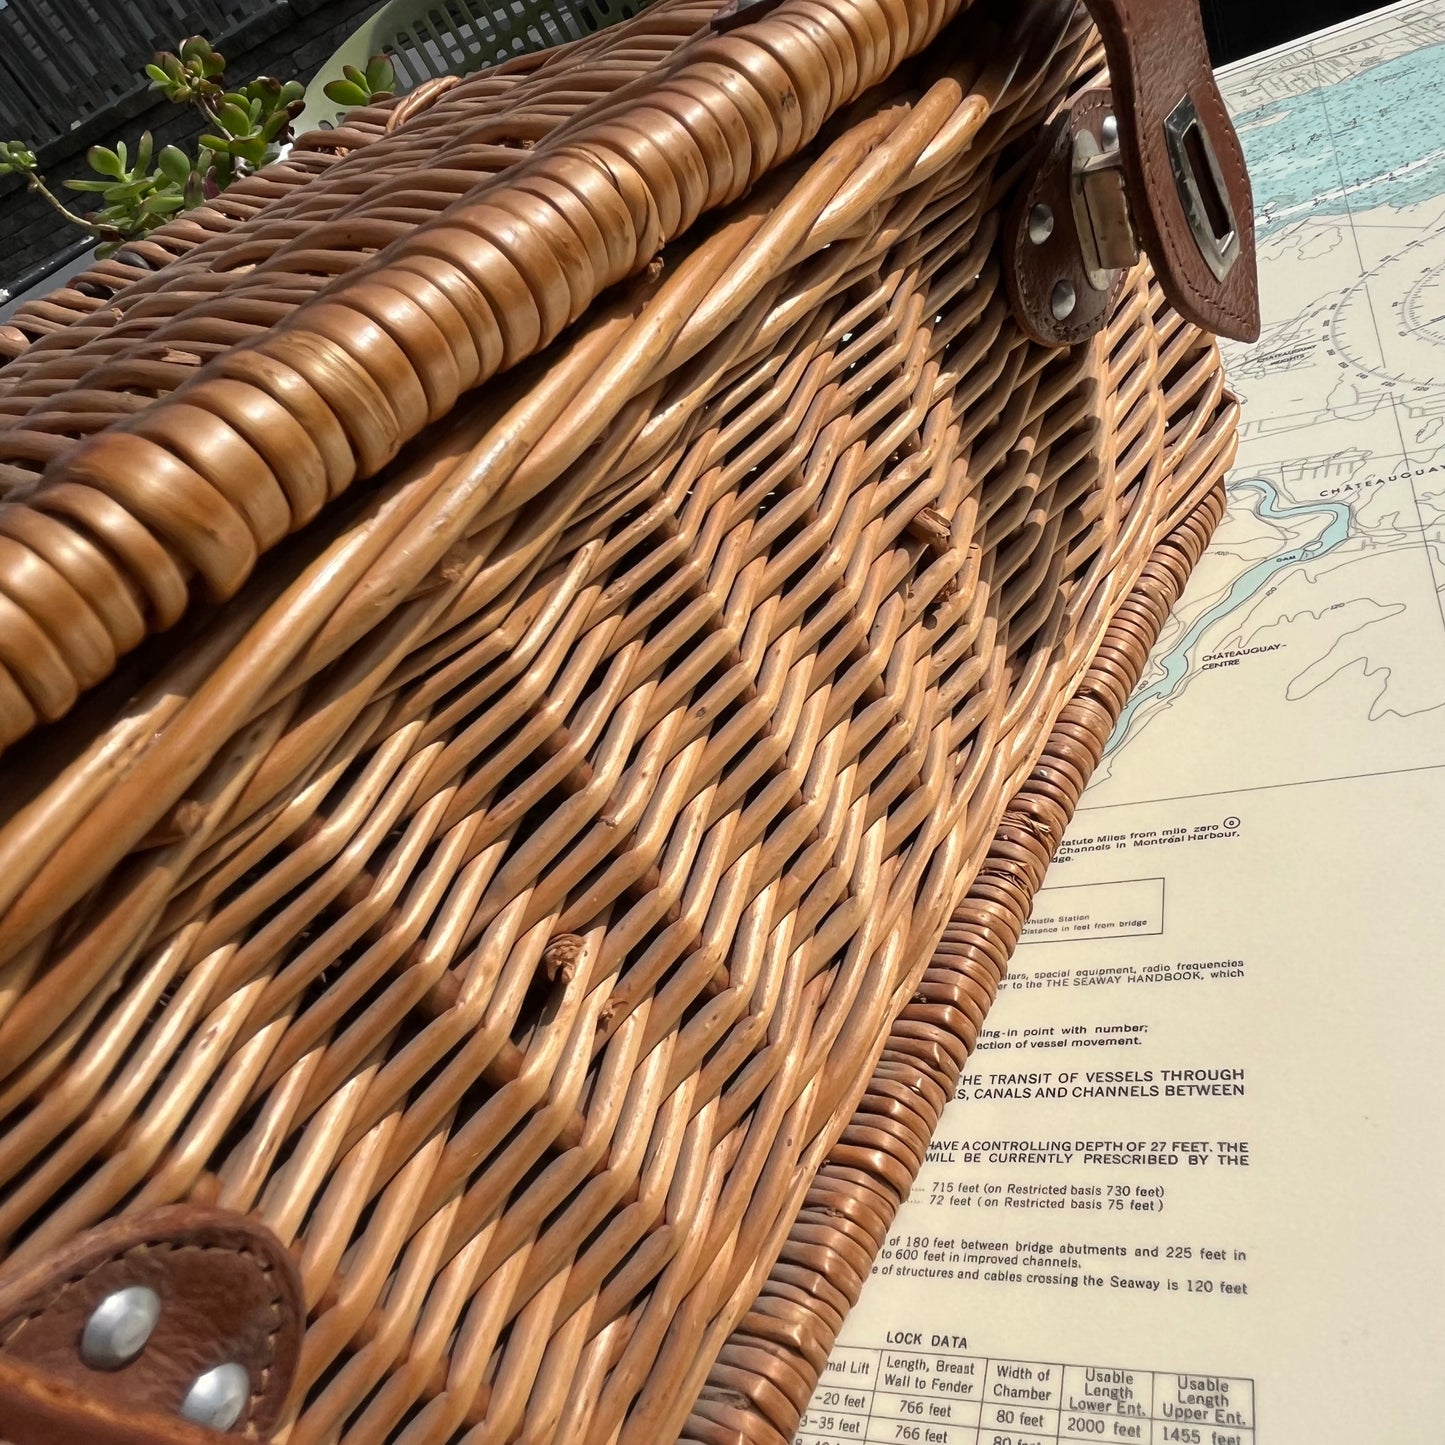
[[62, 61]]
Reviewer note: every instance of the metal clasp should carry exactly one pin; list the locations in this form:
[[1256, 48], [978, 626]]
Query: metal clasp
[[1101, 206], [1201, 188]]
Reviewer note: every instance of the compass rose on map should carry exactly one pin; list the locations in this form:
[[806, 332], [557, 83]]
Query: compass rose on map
[[1399, 344]]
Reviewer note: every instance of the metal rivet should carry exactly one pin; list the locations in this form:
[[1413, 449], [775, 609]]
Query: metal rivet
[[119, 1327], [1109, 132], [1064, 300], [218, 1397], [1041, 224]]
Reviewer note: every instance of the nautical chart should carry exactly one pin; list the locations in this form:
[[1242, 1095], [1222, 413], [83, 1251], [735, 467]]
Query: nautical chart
[[1192, 1189], [1318, 612]]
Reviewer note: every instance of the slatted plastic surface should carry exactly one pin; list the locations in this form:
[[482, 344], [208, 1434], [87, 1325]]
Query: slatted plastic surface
[[509, 894], [62, 61], [445, 37]]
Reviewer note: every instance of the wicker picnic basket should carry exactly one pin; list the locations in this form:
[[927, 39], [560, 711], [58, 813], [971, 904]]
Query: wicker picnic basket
[[546, 644]]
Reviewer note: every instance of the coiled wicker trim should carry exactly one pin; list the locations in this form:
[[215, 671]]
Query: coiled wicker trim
[[192, 488], [763, 1376]]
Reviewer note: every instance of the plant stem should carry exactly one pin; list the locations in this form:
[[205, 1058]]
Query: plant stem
[[39, 186], [208, 114]]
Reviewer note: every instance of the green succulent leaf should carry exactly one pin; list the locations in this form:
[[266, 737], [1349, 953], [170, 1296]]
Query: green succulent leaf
[[16, 156], [380, 74], [99, 187], [252, 150], [233, 118], [345, 92], [174, 163], [143, 152], [105, 162], [291, 92], [124, 191]]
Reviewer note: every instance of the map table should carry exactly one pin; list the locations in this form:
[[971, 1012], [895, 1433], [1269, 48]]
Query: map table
[[903, 1394]]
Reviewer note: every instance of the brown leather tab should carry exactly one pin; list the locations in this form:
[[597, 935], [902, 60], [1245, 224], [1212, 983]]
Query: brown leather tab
[[1170, 115], [229, 1295], [1043, 253], [41, 1409]]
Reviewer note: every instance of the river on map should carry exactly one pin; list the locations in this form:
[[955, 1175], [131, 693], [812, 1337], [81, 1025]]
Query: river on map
[[1175, 662]]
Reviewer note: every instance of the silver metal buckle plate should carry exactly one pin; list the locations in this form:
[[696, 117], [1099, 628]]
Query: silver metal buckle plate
[[1201, 188], [1101, 207]]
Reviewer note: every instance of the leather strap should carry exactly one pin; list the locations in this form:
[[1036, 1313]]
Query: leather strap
[[1159, 59], [1171, 178], [41, 1409], [228, 1295]]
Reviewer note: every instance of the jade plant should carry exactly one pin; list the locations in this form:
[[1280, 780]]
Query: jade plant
[[244, 128]]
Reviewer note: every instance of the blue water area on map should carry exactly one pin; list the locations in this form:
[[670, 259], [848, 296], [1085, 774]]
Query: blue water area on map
[[1382, 130], [1175, 662]]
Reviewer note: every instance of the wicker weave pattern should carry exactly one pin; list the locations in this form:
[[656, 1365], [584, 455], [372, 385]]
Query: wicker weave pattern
[[509, 893], [765, 1373], [194, 488]]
